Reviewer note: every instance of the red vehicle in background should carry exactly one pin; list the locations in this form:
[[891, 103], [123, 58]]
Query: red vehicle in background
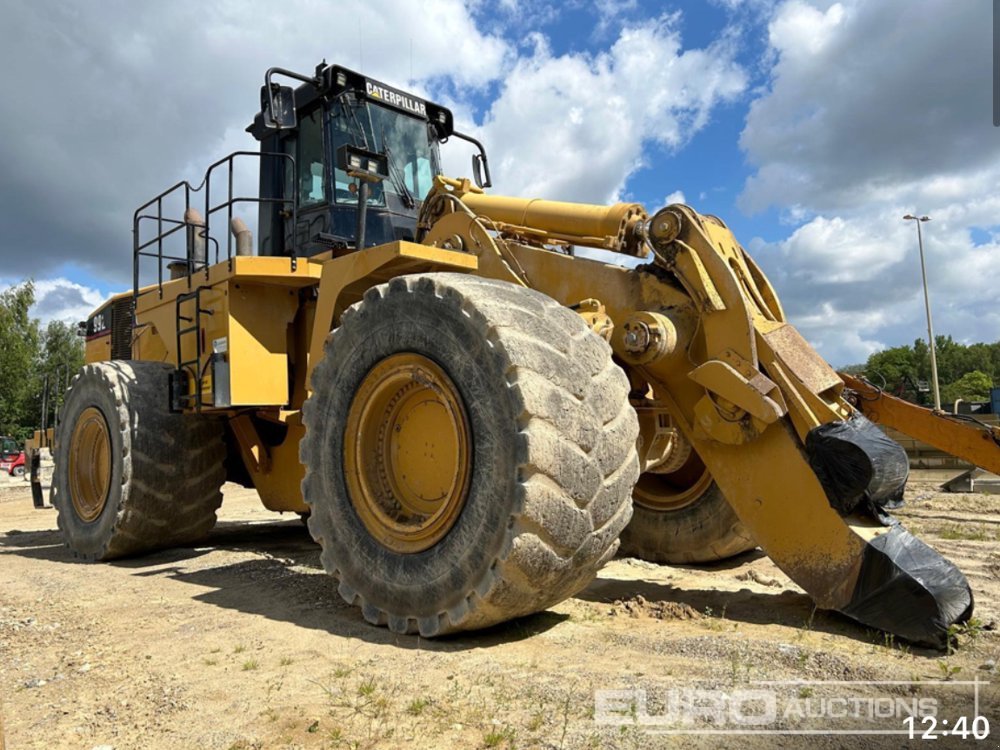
[[11, 457]]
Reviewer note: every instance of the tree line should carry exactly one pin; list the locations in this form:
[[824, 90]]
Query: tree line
[[966, 372], [28, 353]]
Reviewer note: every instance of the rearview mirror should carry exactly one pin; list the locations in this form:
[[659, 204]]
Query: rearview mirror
[[479, 165], [279, 109]]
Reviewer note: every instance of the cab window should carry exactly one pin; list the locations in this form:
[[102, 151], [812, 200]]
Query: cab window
[[418, 175], [347, 129], [405, 140], [307, 147]]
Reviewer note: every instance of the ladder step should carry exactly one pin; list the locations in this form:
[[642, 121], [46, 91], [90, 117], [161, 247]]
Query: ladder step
[[191, 368]]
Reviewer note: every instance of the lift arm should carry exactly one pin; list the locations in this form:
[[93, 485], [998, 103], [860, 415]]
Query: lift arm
[[969, 440]]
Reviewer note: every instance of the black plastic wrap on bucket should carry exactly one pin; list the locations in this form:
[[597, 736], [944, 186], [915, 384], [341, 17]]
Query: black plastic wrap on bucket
[[856, 463], [904, 586], [908, 589]]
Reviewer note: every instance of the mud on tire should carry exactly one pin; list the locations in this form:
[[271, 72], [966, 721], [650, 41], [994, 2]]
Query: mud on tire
[[553, 453], [166, 470]]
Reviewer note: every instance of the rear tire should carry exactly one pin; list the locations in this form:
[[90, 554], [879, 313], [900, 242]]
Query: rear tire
[[145, 478], [551, 449]]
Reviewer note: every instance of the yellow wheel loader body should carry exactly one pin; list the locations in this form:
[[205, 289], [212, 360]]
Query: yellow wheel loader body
[[713, 367]]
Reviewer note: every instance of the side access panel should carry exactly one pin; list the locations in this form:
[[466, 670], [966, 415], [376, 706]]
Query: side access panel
[[231, 327]]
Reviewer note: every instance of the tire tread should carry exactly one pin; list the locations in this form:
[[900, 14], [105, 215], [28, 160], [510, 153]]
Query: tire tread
[[172, 464], [579, 433]]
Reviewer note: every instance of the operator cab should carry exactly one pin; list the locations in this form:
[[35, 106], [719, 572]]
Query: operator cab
[[348, 137]]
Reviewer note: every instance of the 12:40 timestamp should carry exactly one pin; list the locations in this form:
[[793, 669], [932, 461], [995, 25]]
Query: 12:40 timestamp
[[931, 728]]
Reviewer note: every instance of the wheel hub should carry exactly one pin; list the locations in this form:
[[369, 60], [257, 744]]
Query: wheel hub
[[90, 465], [407, 453], [672, 491]]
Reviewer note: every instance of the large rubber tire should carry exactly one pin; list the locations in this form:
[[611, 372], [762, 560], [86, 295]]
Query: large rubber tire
[[553, 453], [166, 469], [706, 530]]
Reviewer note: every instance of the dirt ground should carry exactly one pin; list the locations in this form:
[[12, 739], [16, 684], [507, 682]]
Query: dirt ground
[[244, 643]]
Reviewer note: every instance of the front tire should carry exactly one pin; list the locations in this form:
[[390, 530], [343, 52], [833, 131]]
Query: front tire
[[130, 476], [528, 453], [683, 518]]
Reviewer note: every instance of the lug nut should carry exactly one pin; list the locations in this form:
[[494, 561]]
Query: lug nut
[[636, 337]]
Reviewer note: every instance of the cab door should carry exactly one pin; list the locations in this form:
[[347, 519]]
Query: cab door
[[310, 185]]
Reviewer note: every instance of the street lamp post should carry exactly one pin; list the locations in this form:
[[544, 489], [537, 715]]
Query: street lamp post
[[927, 305]]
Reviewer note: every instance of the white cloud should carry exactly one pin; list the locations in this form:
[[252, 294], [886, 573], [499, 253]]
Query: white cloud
[[842, 252], [873, 102], [610, 14], [826, 327], [574, 126], [518, 17], [115, 101], [749, 6], [61, 299], [853, 283], [875, 110], [675, 197]]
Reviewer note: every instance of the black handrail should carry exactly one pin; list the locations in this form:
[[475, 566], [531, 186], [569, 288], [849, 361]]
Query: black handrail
[[139, 247]]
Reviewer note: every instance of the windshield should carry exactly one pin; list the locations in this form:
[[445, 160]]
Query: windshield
[[412, 151]]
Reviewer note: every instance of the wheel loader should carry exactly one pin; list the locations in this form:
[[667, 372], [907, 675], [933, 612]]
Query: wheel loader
[[472, 405]]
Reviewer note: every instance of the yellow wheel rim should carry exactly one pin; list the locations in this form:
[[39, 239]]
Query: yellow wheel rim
[[670, 492], [407, 453], [90, 464]]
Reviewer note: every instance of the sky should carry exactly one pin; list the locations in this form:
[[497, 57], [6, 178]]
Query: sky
[[811, 127]]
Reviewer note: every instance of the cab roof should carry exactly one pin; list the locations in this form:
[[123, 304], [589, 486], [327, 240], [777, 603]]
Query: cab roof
[[333, 80]]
